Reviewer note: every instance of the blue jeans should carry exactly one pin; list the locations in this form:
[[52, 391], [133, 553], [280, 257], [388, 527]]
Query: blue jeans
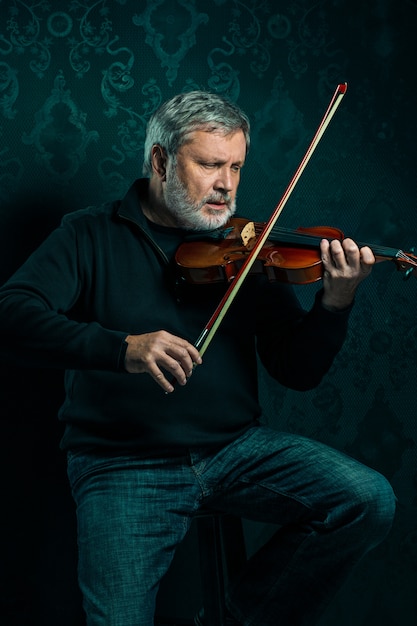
[[133, 511]]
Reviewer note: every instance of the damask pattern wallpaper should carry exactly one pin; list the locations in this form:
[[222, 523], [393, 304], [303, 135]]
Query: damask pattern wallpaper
[[78, 82]]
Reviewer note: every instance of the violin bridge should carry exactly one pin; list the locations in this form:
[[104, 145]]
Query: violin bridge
[[247, 233]]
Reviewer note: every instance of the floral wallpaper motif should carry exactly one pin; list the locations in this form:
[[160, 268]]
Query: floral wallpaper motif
[[78, 82]]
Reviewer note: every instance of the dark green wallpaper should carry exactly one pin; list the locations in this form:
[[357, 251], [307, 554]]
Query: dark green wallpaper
[[78, 82]]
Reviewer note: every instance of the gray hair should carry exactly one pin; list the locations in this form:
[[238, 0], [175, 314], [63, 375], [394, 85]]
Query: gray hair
[[185, 113]]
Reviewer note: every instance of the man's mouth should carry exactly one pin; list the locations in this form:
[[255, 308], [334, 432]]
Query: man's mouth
[[217, 205]]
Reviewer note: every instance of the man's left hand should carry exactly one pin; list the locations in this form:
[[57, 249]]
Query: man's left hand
[[344, 267]]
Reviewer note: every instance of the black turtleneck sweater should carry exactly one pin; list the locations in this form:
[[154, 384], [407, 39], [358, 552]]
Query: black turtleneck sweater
[[106, 272]]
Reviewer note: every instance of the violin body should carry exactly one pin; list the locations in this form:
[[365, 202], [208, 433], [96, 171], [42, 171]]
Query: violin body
[[214, 261]]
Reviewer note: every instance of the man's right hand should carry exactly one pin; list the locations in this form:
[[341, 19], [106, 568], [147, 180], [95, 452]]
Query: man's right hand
[[152, 352]]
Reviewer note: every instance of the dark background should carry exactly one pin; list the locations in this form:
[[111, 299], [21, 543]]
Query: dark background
[[78, 82]]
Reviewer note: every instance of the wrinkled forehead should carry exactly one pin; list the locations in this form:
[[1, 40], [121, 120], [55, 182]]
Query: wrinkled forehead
[[212, 128], [216, 143]]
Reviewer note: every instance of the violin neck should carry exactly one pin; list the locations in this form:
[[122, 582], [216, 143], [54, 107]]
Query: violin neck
[[297, 238]]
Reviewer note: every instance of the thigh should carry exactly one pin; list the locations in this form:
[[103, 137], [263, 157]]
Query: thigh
[[131, 515], [283, 478]]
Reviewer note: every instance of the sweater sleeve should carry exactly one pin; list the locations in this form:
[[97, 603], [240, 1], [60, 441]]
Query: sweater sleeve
[[37, 323], [297, 347]]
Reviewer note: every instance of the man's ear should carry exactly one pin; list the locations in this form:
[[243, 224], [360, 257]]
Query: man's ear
[[159, 161]]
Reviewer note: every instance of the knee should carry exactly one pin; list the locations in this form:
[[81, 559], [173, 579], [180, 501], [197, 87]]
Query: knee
[[375, 505]]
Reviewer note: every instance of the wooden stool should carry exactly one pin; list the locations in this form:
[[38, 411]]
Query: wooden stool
[[221, 549], [222, 554]]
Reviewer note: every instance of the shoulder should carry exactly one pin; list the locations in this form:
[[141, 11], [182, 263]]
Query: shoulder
[[90, 213], [90, 221]]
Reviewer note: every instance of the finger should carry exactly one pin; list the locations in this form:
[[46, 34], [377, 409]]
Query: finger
[[361, 260], [325, 251], [177, 362], [162, 381], [186, 355], [176, 374], [344, 255], [367, 257], [351, 253], [333, 255]]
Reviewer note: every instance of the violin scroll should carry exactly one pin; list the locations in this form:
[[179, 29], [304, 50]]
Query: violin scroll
[[406, 262]]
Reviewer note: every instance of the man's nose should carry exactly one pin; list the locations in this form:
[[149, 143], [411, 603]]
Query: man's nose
[[224, 180]]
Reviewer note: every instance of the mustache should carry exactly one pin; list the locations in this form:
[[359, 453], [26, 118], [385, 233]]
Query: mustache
[[217, 198]]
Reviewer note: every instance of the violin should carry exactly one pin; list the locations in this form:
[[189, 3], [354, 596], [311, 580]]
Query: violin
[[290, 256], [244, 249]]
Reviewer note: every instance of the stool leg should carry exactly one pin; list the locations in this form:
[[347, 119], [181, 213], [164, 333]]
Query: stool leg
[[234, 548], [211, 568]]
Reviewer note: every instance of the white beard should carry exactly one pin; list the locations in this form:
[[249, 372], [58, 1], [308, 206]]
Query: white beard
[[188, 214]]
